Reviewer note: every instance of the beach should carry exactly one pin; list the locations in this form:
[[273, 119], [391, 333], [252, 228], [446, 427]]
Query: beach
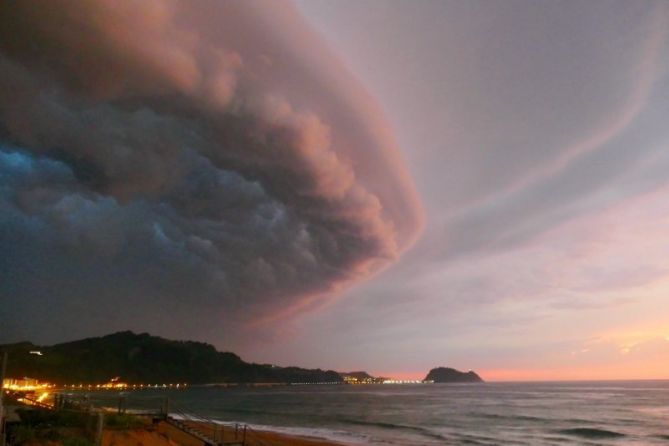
[[277, 439], [163, 434]]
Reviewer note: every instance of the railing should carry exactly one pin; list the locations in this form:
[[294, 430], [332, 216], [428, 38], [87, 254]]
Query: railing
[[209, 430], [215, 432], [254, 439], [35, 402]]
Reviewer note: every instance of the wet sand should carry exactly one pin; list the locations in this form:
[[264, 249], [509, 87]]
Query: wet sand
[[276, 439], [153, 437]]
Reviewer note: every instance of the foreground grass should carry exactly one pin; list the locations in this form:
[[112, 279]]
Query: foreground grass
[[66, 428]]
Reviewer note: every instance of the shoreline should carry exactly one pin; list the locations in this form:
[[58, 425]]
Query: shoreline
[[281, 439], [157, 437], [262, 435]]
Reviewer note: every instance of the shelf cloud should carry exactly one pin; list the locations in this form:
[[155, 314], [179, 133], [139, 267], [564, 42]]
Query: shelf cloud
[[175, 165]]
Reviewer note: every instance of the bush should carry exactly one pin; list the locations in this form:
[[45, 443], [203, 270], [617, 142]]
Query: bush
[[77, 441], [23, 434], [122, 421], [46, 418]]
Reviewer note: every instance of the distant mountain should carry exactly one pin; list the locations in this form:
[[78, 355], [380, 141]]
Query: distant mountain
[[449, 375], [142, 358]]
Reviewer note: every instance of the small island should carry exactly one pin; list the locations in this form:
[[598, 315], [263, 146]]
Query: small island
[[450, 375]]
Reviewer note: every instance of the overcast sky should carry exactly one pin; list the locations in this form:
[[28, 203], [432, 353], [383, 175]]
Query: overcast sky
[[378, 185]]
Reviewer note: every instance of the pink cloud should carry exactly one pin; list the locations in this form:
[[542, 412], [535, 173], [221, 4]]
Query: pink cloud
[[252, 151]]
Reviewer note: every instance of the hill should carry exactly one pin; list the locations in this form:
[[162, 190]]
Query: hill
[[142, 358], [449, 375]]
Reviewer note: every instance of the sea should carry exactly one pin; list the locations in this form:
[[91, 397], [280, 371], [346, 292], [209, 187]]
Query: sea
[[531, 413]]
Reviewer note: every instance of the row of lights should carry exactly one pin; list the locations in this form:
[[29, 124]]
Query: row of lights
[[118, 385], [406, 381], [27, 388], [323, 383]]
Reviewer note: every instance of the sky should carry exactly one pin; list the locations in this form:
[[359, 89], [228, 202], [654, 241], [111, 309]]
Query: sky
[[357, 185]]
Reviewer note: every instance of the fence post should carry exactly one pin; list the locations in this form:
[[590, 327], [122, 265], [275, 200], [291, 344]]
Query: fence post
[[98, 433], [244, 436]]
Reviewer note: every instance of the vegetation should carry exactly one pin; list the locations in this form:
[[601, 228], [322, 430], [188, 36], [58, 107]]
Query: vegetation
[[142, 358], [76, 441], [122, 421], [44, 426], [40, 419], [24, 434]]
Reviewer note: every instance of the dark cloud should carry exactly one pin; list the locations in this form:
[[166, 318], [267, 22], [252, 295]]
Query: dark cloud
[[188, 168]]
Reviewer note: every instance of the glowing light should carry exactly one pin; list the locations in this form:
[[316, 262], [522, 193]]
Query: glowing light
[[24, 385], [406, 381]]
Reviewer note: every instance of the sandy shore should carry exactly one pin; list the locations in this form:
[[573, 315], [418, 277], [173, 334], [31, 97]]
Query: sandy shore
[[164, 434], [264, 438], [273, 438]]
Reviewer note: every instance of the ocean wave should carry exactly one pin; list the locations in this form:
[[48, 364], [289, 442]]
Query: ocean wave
[[406, 427], [589, 432], [495, 416]]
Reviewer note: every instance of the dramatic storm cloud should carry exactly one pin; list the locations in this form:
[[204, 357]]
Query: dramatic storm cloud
[[189, 168]]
